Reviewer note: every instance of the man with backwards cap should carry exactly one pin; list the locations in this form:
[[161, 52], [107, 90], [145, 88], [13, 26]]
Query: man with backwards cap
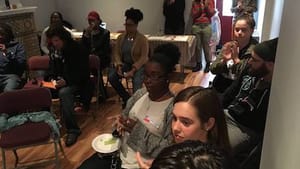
[[97, 40], [246, 100]]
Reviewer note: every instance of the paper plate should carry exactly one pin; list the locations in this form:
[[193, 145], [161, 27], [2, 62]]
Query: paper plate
[[106, 143]]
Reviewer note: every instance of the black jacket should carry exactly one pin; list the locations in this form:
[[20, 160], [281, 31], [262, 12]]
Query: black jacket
[[174, 14], [247, 101], [99, 44], [72, 64], [14, 60]]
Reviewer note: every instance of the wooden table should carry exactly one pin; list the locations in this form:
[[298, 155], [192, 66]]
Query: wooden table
[[185, 43]]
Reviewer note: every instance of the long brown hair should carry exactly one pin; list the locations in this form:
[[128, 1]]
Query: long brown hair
[[208, 105]]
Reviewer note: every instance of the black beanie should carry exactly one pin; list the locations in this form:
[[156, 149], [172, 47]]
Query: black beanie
[[267, 49]]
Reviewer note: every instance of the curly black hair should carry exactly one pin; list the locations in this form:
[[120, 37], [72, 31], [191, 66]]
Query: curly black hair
[[191, 155], [6, 32], [167, 55], [134, 14]]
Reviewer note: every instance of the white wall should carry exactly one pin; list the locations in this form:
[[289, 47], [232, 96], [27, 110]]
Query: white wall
[[112, 12], [281, 148], [271, 18], [43, 11]]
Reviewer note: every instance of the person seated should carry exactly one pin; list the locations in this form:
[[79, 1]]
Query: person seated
[[247, 99], [55, 18], [197, 115], [130, 55], [241, 7], [235, 54], [12, 60], [144, 124], [69, 66], [97, 40], [191, 155]]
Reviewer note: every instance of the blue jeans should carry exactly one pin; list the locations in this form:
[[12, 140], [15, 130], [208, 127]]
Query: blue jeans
[[9, 82], [67, 97], [114, 80]]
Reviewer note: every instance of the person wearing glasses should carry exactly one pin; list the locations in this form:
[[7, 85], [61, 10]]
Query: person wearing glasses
[[246, 102], [197, 115], [144, 124], [130, 55]]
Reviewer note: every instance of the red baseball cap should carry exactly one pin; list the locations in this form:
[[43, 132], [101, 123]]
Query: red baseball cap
[[94, 15]]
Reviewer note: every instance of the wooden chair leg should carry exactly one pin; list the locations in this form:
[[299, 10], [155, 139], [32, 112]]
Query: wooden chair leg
[[61, 148], [57, 162], [16, 156]]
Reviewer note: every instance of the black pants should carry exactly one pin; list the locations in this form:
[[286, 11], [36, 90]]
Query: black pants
[[104, 162], [86, 94], [220, 83]]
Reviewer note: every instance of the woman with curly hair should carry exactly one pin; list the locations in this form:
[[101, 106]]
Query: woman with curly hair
[[130, 55], [145, 123]]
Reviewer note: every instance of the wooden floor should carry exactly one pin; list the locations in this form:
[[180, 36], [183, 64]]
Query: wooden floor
[[92, 127]]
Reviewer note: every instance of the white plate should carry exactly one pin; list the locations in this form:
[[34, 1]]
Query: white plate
[[104, 143]]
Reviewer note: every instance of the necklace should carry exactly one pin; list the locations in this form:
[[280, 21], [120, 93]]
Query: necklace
[[131, 37]]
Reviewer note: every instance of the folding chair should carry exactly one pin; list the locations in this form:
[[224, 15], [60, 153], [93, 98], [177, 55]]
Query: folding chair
[[35, 64], [27, 101]]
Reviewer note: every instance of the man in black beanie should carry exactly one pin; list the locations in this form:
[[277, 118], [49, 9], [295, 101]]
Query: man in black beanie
[[246, 101]]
